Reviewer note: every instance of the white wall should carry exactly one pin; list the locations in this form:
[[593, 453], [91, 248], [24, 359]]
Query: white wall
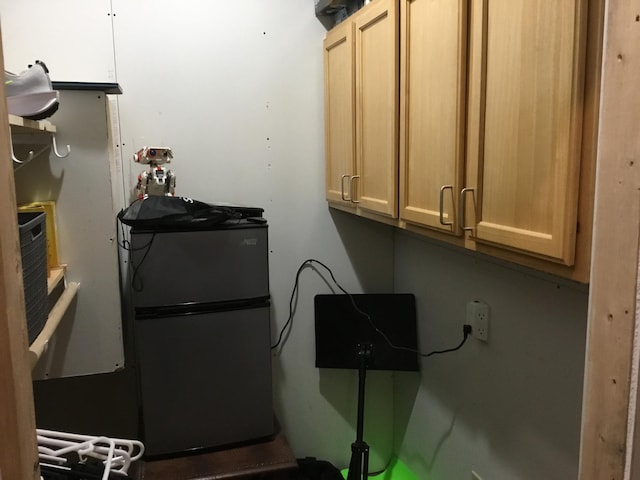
[[509, 409], [72, 37], [235, 88]]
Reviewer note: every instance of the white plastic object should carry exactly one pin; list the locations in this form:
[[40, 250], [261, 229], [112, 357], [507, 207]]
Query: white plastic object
[[115, 453]]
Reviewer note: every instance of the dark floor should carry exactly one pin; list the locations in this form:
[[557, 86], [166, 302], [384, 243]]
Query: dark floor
[[268, 459], [271, 460]]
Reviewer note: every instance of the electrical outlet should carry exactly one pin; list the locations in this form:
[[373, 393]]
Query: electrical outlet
[[478, 318], [475, 476]]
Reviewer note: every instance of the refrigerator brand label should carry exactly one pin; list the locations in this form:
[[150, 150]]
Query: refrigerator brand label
[[246, 242]]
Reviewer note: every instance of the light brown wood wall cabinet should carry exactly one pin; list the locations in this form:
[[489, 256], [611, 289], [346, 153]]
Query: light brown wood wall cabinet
[[526, 82], [432, 111], [340, 85], [361, 111], [497, 125]]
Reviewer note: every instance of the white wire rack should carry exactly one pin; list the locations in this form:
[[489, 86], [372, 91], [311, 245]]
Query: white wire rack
[[64, 449]]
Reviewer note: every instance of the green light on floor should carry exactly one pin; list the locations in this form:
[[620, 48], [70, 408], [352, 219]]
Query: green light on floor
[[396, 471]]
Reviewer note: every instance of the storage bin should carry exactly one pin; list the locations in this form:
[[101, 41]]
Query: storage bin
[[33, 249], [49, 207]]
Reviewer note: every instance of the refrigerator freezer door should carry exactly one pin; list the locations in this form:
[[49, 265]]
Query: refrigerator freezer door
[[175, 268], [205, 379]]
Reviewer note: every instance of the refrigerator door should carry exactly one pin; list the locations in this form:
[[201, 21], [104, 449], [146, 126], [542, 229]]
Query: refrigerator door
[[204, 379], [175, 268]]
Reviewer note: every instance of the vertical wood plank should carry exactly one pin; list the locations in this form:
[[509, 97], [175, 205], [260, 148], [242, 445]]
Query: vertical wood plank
[[615, 251], [18, 452]]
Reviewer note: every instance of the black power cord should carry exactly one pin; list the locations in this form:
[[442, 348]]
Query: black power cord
[[125, 244], [466, 329]]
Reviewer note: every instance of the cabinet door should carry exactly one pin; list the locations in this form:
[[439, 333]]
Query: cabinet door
[[432, 110], [526, 83], [339, 101], [376, 31]]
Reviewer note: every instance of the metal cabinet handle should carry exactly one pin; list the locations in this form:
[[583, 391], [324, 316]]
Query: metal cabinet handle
[[461, 215], [351, 189], [342, 187], [442, 190]]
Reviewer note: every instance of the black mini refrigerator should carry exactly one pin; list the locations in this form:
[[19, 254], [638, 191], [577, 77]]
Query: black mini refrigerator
[[202, 335]]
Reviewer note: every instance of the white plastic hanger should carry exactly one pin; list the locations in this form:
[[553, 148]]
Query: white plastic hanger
[[56, 448]]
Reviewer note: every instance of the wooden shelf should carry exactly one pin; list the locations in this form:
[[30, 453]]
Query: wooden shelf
[[24, 125], [32, 129], [55, 277], [39, 345]]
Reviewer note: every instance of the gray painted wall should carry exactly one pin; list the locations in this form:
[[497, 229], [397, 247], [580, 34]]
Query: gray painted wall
[[508, 409], [89, 337]]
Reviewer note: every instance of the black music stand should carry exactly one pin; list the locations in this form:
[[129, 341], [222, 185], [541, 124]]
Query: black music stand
[[345, 338]]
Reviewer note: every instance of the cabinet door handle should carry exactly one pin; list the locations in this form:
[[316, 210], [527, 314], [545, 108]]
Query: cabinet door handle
[[463, 196], [442, 190], [351, 189], [342, 188]]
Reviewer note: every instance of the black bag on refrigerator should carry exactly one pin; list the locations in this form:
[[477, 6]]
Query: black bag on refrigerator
[[158, 211]]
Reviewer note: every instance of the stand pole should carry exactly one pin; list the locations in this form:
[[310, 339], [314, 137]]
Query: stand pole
[[359, 464]]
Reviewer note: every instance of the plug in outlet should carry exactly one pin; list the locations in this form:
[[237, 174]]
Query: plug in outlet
[[478, 318]]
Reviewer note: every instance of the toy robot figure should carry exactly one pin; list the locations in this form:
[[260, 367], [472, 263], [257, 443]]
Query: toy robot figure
[[157, 180]]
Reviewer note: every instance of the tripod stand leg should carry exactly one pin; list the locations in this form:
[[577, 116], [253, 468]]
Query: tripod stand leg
[[355, 465], [359, 464], [365, 463]]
